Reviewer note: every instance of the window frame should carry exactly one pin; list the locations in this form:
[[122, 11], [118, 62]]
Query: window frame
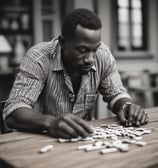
[[130, 54]]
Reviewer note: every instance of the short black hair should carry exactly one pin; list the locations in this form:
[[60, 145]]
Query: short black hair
[[79, 16]]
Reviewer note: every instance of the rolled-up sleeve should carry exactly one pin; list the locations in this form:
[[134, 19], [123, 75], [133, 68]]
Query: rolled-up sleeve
[[111, 86], [28, 84]]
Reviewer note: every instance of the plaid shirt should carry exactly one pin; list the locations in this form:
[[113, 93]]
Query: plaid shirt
[[44, 85]]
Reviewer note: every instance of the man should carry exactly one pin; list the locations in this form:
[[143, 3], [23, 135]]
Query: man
[[59, 82]]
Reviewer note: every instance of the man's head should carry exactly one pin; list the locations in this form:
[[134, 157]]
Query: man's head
[[81, 37], [82, 17]]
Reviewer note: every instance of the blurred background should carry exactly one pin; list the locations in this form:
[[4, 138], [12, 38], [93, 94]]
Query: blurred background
[[130, 29]]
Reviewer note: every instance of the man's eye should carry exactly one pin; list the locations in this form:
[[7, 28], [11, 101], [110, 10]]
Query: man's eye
[[82, 50], [95, 50]]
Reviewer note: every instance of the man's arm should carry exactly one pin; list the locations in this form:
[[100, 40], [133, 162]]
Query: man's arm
[[113, 91], [24, 119], [130, 113], [70, 126]]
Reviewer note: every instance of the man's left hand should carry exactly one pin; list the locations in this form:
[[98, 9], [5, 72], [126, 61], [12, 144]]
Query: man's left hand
[[133, 115]]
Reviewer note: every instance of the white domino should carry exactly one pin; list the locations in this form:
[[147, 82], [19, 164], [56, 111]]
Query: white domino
[[108, 150], [112, 132], [141, 143], [82, 147], [46, 148], [122, 147], [147, 131], [62, 140], [92, 148]]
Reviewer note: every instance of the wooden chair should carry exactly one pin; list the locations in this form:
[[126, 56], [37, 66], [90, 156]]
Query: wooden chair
[[1, 117], [3, 126]]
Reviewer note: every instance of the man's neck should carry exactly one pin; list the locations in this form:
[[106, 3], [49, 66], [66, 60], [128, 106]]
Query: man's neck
[[76, 81]]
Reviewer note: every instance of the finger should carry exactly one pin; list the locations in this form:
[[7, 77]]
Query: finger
[[62, 134], [130, 114], [144, 118], [121, 117], [147, 120], [139, 117], [67, 129], [134, 115], [57, 133], [80, 131], [83, 124]]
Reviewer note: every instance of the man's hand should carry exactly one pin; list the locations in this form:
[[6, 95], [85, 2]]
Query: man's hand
[[69, 126], [133, 114]]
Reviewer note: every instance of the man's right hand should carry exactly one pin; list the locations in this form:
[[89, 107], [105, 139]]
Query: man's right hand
[[69, 126]]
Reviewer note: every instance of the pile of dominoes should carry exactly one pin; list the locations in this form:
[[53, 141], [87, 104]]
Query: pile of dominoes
[[110, 138]]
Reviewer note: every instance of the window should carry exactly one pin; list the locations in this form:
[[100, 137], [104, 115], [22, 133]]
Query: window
[[131, 26], [48, 11], [47, 7]]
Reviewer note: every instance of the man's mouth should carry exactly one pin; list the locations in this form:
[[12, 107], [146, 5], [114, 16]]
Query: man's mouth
[[87, 66]]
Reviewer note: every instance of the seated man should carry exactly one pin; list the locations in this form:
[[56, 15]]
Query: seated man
[[59, 81]]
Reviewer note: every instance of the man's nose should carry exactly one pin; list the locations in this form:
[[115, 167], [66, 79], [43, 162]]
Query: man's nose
[[89, 59]]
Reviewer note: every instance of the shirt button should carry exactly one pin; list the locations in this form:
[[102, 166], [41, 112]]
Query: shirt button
[[72, 97]]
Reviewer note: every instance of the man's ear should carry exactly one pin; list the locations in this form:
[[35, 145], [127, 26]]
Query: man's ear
[[61, 41]]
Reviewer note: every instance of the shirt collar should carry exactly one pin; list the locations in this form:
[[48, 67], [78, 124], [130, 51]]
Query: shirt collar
[[57, 63]]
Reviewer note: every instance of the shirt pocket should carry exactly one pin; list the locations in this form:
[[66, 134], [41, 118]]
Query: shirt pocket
[[90, 101], [90, 104]]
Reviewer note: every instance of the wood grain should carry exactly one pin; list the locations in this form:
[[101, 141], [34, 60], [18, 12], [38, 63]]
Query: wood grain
[[21, 150]]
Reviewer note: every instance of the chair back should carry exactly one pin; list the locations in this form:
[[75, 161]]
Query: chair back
[[3, 126]]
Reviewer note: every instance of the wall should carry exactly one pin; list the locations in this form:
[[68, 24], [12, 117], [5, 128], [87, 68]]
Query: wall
[[152, 28], [105, 13], [83, 4], [39, 18]]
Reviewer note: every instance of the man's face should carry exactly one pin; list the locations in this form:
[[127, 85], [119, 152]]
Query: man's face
[[80, 52]]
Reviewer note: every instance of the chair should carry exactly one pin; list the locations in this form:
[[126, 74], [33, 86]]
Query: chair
[[3, 126]]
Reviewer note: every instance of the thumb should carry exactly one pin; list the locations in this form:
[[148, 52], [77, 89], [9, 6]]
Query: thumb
[[121, 117]]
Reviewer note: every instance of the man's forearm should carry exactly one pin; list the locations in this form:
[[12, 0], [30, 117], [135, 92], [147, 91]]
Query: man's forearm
[[24, 119], [69, 126], [119, 104]]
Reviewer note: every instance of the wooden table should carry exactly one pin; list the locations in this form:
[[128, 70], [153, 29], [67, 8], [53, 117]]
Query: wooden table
[[21, 150]]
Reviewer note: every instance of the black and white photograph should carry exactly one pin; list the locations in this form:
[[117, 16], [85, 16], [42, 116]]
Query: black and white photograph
[[78, 83]]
